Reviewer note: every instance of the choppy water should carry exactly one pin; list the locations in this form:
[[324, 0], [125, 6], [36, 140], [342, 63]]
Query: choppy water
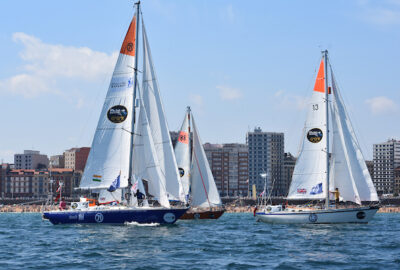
[[235, 241]]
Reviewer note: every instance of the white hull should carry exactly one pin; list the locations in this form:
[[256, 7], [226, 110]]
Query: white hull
[[351, 215]]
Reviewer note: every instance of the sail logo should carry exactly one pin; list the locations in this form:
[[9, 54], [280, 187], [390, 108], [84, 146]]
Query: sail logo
[[169, 217], [316, 189], [117, 114], [181, 172], [301, 190], [314, 135], [99, 217], [129, 47], [183, 137], [121, 83]]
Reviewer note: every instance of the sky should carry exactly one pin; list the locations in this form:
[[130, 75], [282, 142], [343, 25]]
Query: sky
[[238, 64]]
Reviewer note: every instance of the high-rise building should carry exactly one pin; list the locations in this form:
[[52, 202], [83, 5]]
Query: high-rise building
[[75, 158], [370, 167], [4, 169], [266, 153], [229, 166], [31, 160], [57, 161], [289, 161], [386, 159], [397, 181]]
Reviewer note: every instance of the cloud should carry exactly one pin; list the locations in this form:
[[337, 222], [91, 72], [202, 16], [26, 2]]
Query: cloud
[[381, 105], [45, 63], [287, 100], [380, 12], [229, 93], [196, 100]]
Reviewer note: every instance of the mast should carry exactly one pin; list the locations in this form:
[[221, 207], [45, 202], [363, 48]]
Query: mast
[[325, 55], [134, 99]]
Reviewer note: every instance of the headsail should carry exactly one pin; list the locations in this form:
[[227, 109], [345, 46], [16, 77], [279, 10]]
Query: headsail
[[146, 165], [183, 153], [158, 125], [309, 176], [109, 153], [203, 189], [349, 171]]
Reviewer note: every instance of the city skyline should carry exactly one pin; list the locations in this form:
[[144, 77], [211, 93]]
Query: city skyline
[[243, 66]]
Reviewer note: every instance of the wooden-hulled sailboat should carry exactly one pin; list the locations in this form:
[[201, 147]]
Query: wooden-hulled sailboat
[[197, 181], [330, 163], [126, 149]]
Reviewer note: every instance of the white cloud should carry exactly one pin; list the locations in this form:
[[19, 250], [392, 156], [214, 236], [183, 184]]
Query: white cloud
[[229, 93], [196, 100], [287, 100], [381, 12], [45, 63], [381, 105]]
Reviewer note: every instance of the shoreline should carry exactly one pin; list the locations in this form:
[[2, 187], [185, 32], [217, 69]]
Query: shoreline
[[228, 208]]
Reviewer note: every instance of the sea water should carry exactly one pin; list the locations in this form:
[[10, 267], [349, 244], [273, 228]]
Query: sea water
[[235, 241]]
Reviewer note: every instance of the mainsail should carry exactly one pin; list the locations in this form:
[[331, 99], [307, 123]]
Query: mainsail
[[309, 175], [203, 189], [183, 153], [158, 126], [109, 153]]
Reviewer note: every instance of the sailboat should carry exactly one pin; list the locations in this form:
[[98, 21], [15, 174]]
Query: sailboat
[[197, 181], [330, 163], [129, 164]]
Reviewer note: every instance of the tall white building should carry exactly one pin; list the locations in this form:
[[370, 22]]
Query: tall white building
[[386, 160], [266, 155], [31, 160]]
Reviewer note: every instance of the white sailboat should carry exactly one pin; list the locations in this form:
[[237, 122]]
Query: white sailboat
[[128, 148], [330, 163], [197, 180]]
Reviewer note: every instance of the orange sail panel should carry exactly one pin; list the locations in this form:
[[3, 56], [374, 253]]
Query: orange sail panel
[[320, 81], [129, 44]]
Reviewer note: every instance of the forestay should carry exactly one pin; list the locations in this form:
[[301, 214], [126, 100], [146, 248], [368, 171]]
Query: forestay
[[109, 153], [158, 125], [203, 189]]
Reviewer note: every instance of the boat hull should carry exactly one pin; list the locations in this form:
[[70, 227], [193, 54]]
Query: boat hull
[[116, 216], [214, 214], [351, 215]]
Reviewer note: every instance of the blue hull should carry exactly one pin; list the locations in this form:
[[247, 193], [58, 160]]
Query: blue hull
[[116, 216]]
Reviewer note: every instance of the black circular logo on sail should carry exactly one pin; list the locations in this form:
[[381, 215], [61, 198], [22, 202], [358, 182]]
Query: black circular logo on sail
[[181, 172], [314, 135], [117, 114]]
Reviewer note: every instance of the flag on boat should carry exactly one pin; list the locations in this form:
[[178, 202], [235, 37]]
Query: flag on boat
[[115, 184], [316, 189], [262, 193], [59, 187]]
